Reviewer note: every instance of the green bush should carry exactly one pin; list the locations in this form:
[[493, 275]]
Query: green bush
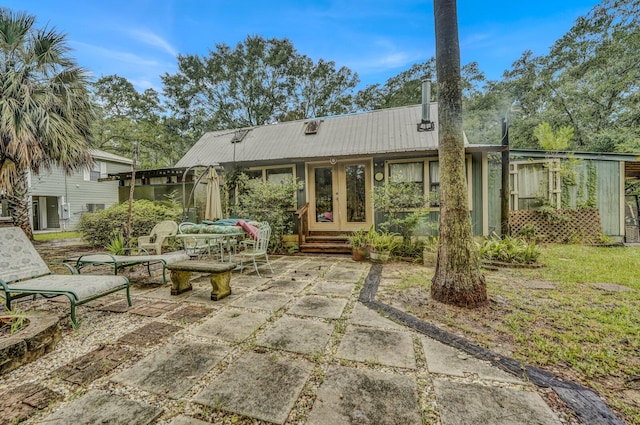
[[510, 249], [264, 201], [97, 228]]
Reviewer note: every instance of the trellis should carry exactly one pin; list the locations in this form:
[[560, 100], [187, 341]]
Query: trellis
[[581, 225]]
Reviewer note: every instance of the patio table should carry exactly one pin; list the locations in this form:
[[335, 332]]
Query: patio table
[[210, 240]]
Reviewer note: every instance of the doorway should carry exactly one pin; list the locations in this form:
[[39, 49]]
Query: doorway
[[340, 195]]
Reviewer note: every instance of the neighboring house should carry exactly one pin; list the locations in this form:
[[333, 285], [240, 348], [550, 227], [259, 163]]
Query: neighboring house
[[339, 160], [57, 200]]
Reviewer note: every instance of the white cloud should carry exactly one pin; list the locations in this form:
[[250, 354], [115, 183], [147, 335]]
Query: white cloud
[[126, 57], [152, 39]]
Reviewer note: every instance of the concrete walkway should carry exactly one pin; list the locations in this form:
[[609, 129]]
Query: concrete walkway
[[293, 347]]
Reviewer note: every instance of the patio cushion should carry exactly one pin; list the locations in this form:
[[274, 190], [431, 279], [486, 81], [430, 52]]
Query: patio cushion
[[19, 259], [81, 286]]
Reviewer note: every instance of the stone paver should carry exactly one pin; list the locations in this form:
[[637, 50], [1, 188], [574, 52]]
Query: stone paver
[[343, 275], [154, 309], [149, 334], [233, 325], [318, 306], [539, 284], [263, 301], [333, 288], [121, 306], [174, 368], [297, 335], [470, 404], [247, 282], [286, 285], [187, 420], [446, 360], [612, 287], [98, 407], [24, 401], [364, 316], [385, 347], [94, 364], [258, 385], [190, 314], [355, 396]]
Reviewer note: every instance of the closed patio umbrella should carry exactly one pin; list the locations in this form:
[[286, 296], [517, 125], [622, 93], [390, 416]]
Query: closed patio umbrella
[[213, 210]]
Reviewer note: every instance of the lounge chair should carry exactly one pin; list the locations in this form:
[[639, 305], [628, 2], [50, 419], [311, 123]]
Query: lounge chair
[[160, 235], [24, 273]]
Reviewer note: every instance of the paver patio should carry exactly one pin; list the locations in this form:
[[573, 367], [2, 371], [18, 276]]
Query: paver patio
[[293, 347]]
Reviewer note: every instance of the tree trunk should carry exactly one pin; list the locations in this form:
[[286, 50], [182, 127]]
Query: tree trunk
[[18, 205], [457, 278]]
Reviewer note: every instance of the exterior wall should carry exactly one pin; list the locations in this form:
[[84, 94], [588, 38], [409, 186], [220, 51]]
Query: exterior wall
[[609, 188], [477, 201], [55, 185]]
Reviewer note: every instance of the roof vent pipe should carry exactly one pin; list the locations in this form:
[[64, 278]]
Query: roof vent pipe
[[426, 98], [425, 124]]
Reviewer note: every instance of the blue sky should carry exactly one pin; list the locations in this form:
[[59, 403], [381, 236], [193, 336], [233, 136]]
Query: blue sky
[[140, 39]]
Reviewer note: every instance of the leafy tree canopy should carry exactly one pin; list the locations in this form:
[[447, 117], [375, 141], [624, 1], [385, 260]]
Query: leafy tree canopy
[[257, 82]]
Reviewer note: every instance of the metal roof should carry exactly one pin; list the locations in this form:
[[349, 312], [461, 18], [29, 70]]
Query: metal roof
[[107, 156], [383, 131]]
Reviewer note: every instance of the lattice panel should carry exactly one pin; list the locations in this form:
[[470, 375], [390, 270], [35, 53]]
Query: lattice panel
[[581, 225]]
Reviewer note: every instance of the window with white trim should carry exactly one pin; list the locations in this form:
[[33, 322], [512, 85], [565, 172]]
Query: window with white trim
[[97, 170]]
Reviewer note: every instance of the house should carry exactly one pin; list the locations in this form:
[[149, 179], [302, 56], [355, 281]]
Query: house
[[57, 200], [340, 159]]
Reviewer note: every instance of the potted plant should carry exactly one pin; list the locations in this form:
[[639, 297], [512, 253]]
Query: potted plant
[[359, 241], [381, 246]]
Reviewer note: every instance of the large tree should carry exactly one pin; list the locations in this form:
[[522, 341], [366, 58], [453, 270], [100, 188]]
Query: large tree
[[45, 114], [457, 278], [128, 118], [257, 82]]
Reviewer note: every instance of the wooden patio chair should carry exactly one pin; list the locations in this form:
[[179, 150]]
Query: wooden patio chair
[[160, 234]]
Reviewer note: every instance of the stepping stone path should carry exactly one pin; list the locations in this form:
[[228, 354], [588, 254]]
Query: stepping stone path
[[294, 347]]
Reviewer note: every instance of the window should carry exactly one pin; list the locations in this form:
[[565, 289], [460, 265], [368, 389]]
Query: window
[[279, 175], [98, 170], [407, 172], [276, 175], [94, 207], [424, 175], [254, 174]]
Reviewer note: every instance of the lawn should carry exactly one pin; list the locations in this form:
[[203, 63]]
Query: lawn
[[578, 317], [51, 236]]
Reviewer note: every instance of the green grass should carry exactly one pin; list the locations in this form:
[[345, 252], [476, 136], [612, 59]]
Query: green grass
[[579, 264], [584, 333], [52, 236]]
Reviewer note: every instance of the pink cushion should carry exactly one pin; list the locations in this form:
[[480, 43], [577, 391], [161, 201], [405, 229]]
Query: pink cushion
[[250, 229]]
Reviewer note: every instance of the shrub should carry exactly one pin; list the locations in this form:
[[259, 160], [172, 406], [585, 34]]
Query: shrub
[[405, 206], [97, 228], [510, 249], [264, 201]]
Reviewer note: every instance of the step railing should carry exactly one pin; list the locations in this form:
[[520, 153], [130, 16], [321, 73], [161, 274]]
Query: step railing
[[303, 224]]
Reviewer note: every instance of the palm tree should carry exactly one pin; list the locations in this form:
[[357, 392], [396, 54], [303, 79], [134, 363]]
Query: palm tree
[[45, 114], [457, 279]]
